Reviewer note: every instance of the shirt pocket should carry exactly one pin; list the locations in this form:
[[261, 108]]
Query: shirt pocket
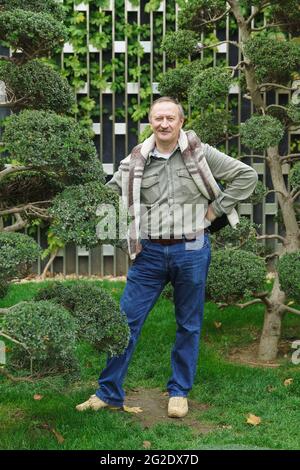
[[150, 190], [186, 184]]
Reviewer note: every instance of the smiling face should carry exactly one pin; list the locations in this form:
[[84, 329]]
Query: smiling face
[[166, 122]]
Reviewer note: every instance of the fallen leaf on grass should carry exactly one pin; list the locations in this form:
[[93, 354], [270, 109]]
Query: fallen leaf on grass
[[59, 437], [133, 409], [37, 397], [288, 382], [254, 420], [147, 445]]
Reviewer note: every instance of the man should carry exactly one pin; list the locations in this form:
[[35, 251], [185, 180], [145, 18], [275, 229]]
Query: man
[[174, 170]]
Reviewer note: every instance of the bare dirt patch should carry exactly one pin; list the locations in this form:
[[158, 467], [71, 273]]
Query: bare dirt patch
[[249, 355], [154, 404]]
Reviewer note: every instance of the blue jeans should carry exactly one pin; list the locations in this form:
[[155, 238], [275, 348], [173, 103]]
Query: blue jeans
[[185, 265]]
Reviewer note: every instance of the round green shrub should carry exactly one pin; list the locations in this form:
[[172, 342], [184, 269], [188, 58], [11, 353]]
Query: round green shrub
[[34, 33], [288, 267], [39, 6], [75, 218], [175, 83], [294, 176], [209, 86], [268, 56], [49, 333], [17, 253], [243, 235], [260, 132], [211, 126], [97, 315], [48, 141], [179, 44], [234, 274], [37, 85]]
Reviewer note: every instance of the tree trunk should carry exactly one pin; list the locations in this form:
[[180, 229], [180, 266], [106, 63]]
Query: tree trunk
[[268, 347]]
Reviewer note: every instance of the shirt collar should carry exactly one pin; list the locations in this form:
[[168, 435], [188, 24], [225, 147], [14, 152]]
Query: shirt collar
[[153, 153]]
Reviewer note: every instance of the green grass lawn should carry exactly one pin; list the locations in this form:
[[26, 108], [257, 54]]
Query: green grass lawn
[[230, 390]]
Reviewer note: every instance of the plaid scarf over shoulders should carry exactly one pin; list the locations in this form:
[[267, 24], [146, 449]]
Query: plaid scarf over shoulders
[[132, 169]]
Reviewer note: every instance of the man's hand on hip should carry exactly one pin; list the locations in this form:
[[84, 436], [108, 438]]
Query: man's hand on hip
[[210, 215]]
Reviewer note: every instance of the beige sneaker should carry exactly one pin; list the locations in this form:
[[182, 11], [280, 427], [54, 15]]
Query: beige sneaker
[[178, 407], [95, 403]]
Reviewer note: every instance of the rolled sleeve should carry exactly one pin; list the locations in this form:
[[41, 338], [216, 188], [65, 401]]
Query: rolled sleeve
[[241, 179]]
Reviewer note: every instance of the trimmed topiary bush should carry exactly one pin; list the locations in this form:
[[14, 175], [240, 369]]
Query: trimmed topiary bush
[[37, 86], [234, 274], [38, 6], [175, 83], [17, 253], [48, 333], [75, 218], [288, 267], [212, 126], [179, 44], [96, 314], [49, 141], [260, 132], [268, 56], [33, 33], [209, 86]]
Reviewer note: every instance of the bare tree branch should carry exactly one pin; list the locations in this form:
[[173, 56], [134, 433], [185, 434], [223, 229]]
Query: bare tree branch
[[14, 379], [295, 196], [289, 309], [276, 85], [252, 156], [13, 340], [270, 25], [18, 225], [214, 20], [276, 191], [256, 10], [271, 255], [279, 237], [261, 297], [50, 261], [14, 169], [290, 156], [276, 106], [201, 47], [31, 205], [251, 302]]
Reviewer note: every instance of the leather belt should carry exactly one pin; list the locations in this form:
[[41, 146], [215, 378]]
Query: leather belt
[[173, 241]]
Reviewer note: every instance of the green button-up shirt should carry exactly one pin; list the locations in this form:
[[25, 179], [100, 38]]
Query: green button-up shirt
[[171, 203]]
